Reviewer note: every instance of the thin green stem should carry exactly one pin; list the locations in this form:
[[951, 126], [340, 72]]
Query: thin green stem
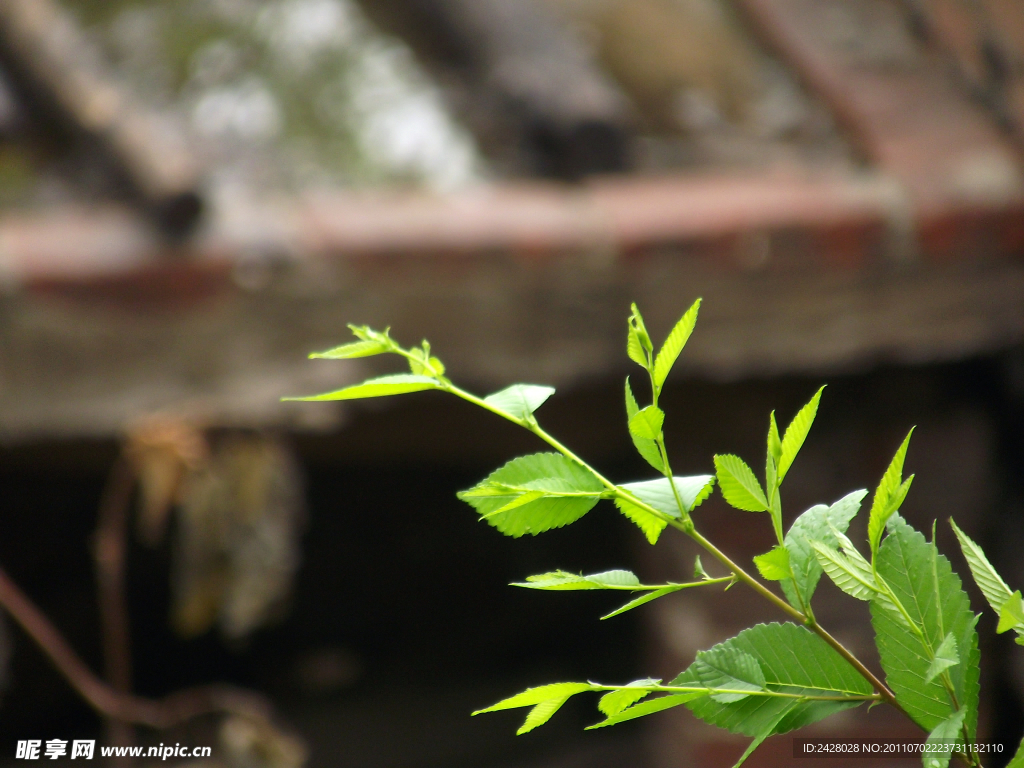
[[649, 587], [746, 692], [684, 513]]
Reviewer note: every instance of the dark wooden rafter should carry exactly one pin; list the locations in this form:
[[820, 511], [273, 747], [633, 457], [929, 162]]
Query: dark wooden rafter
[[73, 105], [982, 42], [529, 71], [957, 175]]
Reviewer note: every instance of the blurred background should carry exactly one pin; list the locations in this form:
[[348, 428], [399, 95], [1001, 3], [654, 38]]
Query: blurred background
[[195, 194]]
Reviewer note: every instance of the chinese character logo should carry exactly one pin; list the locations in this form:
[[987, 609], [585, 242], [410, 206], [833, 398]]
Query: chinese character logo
[[84, 749], [28, 750]]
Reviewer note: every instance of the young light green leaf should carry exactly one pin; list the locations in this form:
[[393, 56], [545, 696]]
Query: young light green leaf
[[658, 494], [518, 501], [698, 570], [774, 564], [816, 524], [674, 344], [571, 491], [888, 492], [738, 484], [936, 753], [616, 579], [728, 667], [519, 400], [423, 363], [634, 349], [946, 656], [352, 350], [771, 467], [616, 701], [532, 696], [793, 660], [540, 714], [366, 333], [382, 386], [932, 595], [647, 423], [643, 599], [647, 708], [638, 344], [774, 442], [645, 447], [796, 433], [651, 525], [852, 575], [1011, 615], [562, 580], [667, 590], [989, 582]]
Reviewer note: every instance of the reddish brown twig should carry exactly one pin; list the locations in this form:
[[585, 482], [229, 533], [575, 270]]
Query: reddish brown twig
[[172, 710]]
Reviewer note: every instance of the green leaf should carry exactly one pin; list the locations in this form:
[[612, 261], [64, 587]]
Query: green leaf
[[738, 484], [1011, 615], [728, 667], [562, 581], [793, 660], [851, 574], [674, 344], [540, 714], [766, 731], [638, 344], [888, 492], [518, 501], [648, 707], [532, 696], [667, 590], [698, 569], [946, 656], [520, 400], [366, 333], [616, 701], [932, 595], [935, 755], [771, 467], [774, 564], [989, 582], [774, 442], [354, 349], [816, 524], [1018, 759], [643, 599], [645, 447], [796, 433], [651, 525], [647, 423], [571, 491], [395, 384], [658, 494]]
